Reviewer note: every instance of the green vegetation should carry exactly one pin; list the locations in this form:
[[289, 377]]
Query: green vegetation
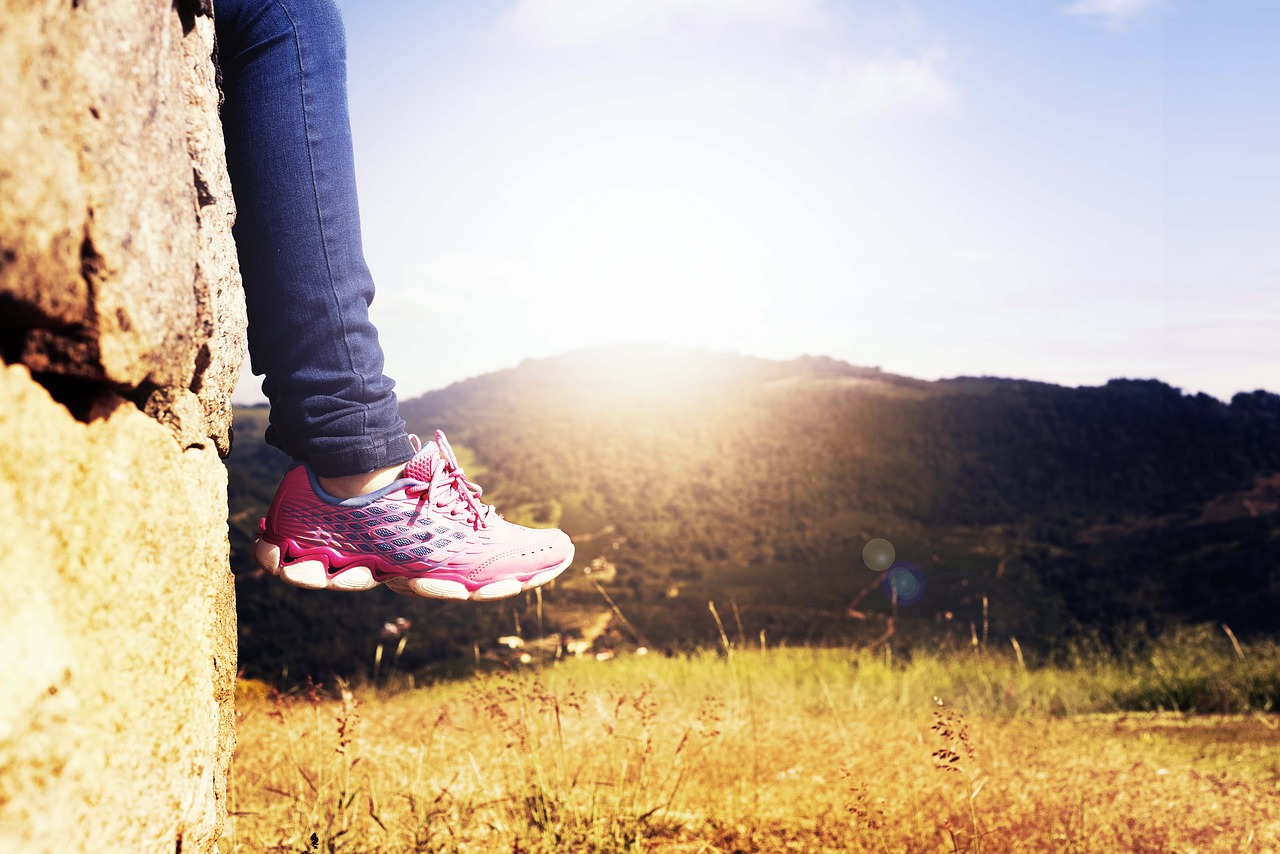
[[1054, 516], [787, 749]]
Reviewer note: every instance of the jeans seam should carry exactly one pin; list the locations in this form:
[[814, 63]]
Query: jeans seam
[[324, 236]]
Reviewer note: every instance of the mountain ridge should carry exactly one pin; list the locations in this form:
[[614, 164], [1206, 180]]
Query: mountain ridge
[[812, 365]]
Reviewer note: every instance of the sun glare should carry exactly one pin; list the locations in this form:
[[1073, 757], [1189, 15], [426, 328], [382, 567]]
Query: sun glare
[[656, 263]]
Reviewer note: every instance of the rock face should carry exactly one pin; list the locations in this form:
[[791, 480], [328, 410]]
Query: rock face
[[121, 333]]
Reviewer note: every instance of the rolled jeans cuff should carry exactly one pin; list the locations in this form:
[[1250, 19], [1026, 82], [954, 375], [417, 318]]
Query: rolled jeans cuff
[[338, 455]]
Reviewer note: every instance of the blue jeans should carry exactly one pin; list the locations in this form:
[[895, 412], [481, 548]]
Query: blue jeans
[[297, 233]]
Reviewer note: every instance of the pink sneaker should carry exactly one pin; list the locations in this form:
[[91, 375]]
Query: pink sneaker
[[428, 534]]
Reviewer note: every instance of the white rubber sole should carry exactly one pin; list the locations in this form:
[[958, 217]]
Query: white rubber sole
[[312, 575], [442, 588]]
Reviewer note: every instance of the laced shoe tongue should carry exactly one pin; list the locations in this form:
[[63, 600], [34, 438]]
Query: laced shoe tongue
[[423, 465]]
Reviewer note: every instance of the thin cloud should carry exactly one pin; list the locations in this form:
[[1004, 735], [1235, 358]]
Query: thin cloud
[[895, 84], [1114, 13], [587, 21]]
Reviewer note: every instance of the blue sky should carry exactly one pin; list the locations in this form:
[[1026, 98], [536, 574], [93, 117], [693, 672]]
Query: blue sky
[[1063, 190]]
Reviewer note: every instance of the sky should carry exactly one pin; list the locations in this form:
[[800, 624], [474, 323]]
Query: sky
[[1060, 190]]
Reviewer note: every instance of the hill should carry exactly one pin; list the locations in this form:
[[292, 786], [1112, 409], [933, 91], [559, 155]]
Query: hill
[[686, 477]]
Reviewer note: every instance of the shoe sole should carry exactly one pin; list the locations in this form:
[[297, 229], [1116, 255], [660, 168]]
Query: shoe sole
[[314, 575], [442, 588]]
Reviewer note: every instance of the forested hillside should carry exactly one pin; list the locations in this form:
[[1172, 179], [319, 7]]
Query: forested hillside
[[688, 477]]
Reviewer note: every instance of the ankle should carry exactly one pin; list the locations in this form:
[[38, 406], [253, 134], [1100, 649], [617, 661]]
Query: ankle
[[353, 485]]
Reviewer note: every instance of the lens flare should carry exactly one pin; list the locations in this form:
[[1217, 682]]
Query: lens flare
[[878, 554], [904, 583]]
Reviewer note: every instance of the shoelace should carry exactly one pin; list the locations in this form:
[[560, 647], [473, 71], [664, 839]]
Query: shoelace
[[463, 496]]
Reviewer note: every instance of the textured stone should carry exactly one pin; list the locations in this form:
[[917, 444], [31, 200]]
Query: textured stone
[[115, 266], [115, 721], [120, 297]]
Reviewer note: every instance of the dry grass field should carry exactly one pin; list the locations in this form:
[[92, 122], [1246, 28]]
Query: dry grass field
[[780, 750]]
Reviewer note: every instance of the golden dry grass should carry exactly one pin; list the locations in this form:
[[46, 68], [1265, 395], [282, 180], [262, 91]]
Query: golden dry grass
[[789, 750]]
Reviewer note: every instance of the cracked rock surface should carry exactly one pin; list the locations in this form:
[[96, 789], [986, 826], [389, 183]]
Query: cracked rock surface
[[121, 334]]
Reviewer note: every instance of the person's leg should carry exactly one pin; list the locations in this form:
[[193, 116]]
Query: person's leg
[[366, 505], [297, 234]]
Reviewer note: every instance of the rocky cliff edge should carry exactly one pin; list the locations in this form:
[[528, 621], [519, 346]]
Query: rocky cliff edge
[[121, 333]]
